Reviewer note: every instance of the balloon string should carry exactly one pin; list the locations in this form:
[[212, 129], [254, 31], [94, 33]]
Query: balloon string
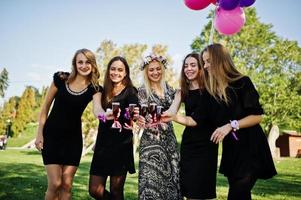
[[212, 28]]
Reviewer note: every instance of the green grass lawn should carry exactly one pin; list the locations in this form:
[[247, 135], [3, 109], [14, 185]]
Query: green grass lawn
[[22, 177], [24, 138]]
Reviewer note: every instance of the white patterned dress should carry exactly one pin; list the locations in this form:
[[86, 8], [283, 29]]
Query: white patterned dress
[[158, 156]]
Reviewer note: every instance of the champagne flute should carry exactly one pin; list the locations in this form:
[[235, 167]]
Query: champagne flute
[[143, 111], [131, 112], [115, 110], [152, 111], [159, 113]]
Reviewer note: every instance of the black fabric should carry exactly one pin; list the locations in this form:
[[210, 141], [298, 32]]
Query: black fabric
[[62, 130], [240, 188], [198, 165], [251, 153], [113, 154]]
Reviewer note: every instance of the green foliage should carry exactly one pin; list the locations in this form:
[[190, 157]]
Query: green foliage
[[8, 113], [134, 54], [89, 125], [3, 81], [273, 63], [29, 134], [25, 111]]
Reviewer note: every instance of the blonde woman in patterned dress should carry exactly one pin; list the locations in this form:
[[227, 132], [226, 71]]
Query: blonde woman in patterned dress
[[158, 155]]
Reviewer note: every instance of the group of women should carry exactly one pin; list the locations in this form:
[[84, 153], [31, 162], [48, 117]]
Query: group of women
[[221, 105]]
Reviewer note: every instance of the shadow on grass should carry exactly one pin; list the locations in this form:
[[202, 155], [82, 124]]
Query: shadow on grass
[[284, 184], [22, 181]]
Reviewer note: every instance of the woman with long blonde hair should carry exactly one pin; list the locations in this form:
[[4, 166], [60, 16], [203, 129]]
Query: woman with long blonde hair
[[59, 135], [158, 155]]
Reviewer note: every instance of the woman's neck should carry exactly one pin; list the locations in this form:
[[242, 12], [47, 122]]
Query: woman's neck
[[118, 85], [82, 80], [156, 86], [194, 85]]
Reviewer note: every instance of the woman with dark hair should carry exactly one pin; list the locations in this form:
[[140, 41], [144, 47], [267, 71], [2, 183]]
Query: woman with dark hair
[[198, 165], [59, 135], [231, 110], [113, 154]]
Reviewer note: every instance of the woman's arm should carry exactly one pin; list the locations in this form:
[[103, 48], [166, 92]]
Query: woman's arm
[[43, 115], [97, 108], [220, 133], [181, 119], [184, 120], [173, 109]]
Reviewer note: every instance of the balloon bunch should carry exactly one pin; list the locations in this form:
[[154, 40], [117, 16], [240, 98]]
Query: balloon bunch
[[229, 14]]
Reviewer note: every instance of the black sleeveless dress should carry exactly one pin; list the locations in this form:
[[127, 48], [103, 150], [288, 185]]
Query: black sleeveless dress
[[62, 130]]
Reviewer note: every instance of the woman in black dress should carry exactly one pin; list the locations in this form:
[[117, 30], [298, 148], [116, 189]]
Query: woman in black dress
[[233, 109], [59, 135], [113, 154], [198, 165]]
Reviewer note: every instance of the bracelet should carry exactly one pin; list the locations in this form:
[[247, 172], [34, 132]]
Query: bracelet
[[102, 117], [235, 126]]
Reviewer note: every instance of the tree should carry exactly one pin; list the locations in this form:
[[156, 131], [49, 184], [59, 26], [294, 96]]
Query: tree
[[3, 82], [273, 63], [8, 112], [25, 111]]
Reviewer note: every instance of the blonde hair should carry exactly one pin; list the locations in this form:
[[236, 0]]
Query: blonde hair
[[222, 72], [147, 83], [94, 75]]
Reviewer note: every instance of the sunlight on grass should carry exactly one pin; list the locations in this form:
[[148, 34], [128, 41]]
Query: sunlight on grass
[[23, 176]]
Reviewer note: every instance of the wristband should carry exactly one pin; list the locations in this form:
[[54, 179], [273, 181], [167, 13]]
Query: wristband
[[234, 124], [102, 117]]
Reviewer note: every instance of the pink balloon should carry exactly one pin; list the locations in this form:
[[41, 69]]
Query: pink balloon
[[229, 22], [197, 4]]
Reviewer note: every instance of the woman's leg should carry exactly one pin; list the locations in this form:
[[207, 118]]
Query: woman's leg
[[241, 188], [116, 187], [67, 180], [97, 187], [54, 177]]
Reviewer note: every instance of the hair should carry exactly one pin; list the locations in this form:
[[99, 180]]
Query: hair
[[108, 86], [147, 83], [184, 83], [222, 71], [94, 75]]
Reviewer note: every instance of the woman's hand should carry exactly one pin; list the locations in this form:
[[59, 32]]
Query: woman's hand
[[220, 133], [141, 121], [39, 141], [167, 117]]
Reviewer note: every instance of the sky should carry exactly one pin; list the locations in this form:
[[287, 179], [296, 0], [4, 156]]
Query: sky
[[38, 38]]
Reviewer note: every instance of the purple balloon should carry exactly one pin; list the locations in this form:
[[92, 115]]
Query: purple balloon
[[229, 4], [246, 3]]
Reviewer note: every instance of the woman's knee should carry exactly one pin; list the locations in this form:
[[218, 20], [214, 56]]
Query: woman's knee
[[96, 191], [54, 185], [66, 186]]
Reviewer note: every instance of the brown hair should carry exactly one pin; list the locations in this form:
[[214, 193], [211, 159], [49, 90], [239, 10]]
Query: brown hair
[[94, 75], [108, 86], [184, 83], [222, 71]]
